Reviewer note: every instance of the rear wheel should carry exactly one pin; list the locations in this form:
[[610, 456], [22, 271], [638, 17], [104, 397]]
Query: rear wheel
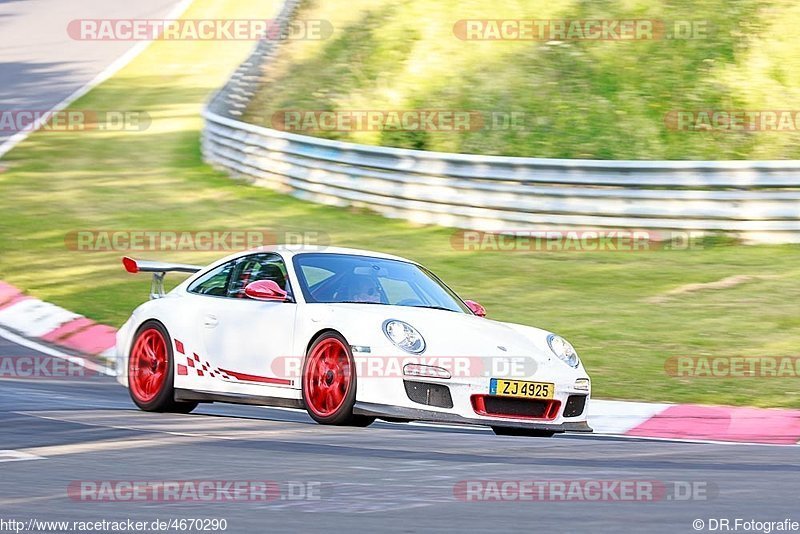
[[329, 382], [506, 431], [151, 371]]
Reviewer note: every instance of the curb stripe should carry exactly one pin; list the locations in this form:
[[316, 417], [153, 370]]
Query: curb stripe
[[7, 292], [19, 340], [619, 417], [68, 329], [34, 318], [723, 423], [13, 300], [93, 340]]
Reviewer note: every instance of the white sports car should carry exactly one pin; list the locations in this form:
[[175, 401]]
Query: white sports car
[[348, 335]]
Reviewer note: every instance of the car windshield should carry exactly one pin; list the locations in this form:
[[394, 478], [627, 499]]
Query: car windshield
[[332, 278]]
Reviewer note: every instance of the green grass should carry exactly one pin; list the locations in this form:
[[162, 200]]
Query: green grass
[[57, 183], [580, 99]]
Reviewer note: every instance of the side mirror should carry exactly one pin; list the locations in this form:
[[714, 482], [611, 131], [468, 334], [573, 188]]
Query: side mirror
[[267, 290], [476, 308]]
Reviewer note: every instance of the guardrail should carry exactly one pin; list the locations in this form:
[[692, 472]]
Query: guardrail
[[757, 200], [232, 99]]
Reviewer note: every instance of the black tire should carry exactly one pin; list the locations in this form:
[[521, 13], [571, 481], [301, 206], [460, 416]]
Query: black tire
[[343, 414], [507, 431], [164, 398]]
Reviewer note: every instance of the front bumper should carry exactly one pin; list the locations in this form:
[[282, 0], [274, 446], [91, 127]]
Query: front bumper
[[416, 414], [458, 406]]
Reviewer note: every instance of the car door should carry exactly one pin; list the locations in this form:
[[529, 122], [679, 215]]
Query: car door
[[243, 339]]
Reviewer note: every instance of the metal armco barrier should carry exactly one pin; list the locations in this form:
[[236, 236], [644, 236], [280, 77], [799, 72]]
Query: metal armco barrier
[[757, 200]]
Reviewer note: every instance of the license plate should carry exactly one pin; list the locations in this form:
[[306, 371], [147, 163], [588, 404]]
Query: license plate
[[522, 389]]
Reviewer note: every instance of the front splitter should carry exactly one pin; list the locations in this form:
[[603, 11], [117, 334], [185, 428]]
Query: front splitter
[[414, 414]]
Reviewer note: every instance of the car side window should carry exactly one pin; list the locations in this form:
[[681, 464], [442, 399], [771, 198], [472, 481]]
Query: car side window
[[257, 267], [214, 282]]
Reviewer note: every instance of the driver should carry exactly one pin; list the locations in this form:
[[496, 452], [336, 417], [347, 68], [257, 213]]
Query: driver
[[365, 289]]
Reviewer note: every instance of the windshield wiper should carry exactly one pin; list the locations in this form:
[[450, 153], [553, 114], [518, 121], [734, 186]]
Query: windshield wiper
[[355, 302], [384, 304], [435, 308]]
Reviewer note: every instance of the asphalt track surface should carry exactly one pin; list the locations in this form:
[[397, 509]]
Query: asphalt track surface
[[40, 64], [388, 477]]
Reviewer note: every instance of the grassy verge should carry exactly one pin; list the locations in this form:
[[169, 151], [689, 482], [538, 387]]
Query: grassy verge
[[57, 183], [579, 99]]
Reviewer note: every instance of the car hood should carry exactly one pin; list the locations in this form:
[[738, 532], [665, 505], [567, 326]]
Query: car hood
[[446, 333]]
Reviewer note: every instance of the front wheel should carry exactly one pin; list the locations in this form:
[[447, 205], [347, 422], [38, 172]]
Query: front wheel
[[506, 431], [329, 382], [151, 371]]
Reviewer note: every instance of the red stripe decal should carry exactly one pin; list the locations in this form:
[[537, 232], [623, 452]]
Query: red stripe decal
[[261, 379]]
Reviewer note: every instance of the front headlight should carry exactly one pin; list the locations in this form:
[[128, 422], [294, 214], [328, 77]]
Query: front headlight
[[564, 350], [404, 335]]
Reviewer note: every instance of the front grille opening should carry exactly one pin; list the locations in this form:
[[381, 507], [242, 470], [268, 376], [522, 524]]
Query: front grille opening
[[497, 406], [429, 394], [575, 405]]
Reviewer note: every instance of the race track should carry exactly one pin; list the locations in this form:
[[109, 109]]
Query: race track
[[390, 476], [41, 65]]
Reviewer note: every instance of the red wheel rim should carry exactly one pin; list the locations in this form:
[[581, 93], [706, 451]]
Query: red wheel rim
[[327, 379], [148, 365]]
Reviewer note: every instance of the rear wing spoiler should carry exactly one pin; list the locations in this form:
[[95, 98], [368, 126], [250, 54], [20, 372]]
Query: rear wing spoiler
[[159, 269]]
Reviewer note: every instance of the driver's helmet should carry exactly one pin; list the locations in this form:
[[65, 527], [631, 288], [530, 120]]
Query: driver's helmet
[[364, 288]]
